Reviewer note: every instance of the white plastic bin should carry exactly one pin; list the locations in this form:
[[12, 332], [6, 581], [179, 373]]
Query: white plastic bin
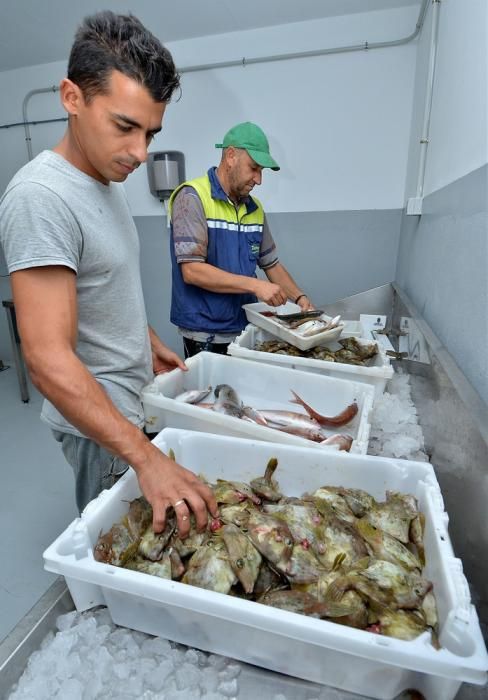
[[377, 374], [317, 650], [255, 316], [261, 386]]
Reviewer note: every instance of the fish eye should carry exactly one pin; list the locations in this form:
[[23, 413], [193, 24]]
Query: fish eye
[[240, 564]]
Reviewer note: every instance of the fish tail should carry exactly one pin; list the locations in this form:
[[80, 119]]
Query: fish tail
[[331, 421]]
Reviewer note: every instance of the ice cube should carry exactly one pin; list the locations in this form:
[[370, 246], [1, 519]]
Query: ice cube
[[64, 622]]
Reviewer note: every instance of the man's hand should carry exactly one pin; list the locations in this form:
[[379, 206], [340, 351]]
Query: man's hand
[[305, 304], [269, 292], [166, 483], [163, 359]]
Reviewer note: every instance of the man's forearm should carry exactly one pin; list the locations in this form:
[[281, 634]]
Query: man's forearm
[[279, 275], [213, 279]]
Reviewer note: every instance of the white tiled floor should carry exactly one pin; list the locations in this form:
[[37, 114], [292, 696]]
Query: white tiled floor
[[36, 500]]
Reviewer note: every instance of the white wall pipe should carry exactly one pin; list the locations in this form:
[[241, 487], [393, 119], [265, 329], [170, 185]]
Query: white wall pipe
[[25, 102], [414, 204], [365, 46]]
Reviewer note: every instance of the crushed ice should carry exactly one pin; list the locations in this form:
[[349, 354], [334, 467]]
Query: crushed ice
[[395, 431], [90, 658]]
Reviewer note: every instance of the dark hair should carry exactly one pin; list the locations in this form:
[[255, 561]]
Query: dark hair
[[105, 42]]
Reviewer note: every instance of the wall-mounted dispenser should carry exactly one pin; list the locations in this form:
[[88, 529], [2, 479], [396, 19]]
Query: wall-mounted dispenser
[[165, 171]]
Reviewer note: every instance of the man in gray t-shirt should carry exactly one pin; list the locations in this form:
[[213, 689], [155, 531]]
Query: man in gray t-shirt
[[73, 255]]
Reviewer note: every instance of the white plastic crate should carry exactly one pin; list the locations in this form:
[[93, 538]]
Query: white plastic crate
[[377, 374], [316, 650], [254, 315], [261, 386]]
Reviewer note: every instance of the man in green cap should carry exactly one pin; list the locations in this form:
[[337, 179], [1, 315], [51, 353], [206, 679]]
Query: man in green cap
[[219, 235]]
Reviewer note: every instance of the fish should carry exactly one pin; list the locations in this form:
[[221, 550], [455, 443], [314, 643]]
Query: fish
[[429, 611], [363, 350], [344, 442], [192, 542], [193, 395], [330, 421], [116, 546], [310, 328], [304, 604], [227, 401], [139, 517], [233, 492], [177, 566], [359, 617], [151, 544], [386, 547], [327, 500], [350, 352], [338, 541], [250, 414], [297, 316], [359, 501], [401, 624], [302, 519], [317, 554], [237, 513], [209, 568], [271, 537], [294, 423], [393, 516], [303, 566], [384, 583], [265, 486], [244, 558], [161, 568]]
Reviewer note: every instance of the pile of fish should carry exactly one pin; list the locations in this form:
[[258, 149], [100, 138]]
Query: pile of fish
[[304, 323], [309, 425], [352, 352], [335, 554]]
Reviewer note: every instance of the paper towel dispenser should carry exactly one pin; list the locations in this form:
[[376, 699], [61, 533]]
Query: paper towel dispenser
[[165, 171]]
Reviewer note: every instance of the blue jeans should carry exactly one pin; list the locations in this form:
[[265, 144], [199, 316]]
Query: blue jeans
[[95, 468]]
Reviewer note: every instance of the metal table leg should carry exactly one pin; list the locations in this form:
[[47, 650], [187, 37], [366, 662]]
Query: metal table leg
[[16, 349]]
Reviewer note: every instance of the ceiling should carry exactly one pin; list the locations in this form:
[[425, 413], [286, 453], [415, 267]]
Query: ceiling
[[33, 32]]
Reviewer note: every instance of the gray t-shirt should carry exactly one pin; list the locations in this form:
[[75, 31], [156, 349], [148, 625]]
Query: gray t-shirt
[[54, 214]]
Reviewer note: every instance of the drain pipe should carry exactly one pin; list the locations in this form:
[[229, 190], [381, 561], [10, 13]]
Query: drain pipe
[[414, 204], [30, 94], [366, 46]]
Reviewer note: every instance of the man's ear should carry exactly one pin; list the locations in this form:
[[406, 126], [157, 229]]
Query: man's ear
[[71, 96], [231, 155]]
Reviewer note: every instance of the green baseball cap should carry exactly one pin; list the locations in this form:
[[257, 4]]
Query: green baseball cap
[[253, 139]]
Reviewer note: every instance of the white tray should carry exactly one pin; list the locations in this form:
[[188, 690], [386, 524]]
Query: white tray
[[316, 650], [258, 385], [377, 374], [277, 329]]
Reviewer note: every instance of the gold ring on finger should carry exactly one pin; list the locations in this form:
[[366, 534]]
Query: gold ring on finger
[[178, 503]]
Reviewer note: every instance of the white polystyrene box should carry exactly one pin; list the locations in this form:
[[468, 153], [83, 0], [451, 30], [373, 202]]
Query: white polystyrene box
[[261, 386], [316, 650], [376, 374]]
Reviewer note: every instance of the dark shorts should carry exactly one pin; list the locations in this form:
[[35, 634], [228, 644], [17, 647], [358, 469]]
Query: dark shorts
[[192, 347]]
